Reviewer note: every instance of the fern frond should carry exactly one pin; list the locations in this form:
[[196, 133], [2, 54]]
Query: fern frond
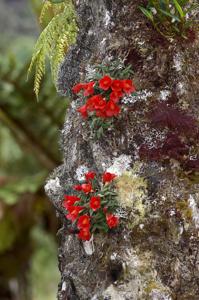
[[54, 41], [47, 5], [58, 55], [58, 8], [39, 71]]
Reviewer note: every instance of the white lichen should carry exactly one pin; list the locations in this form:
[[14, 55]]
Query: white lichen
[[80, 172], [181, 89], [113, 256], [107, 18], [121, 213], [178, 63], [120, 164], [113, 293], [90, 72], [102, 43], [74, 106], [53, 185], [164, 95], [155, 137], [195, 210], [159, 295], [140, 277], [142, 95], [63, 288], [89, 247]]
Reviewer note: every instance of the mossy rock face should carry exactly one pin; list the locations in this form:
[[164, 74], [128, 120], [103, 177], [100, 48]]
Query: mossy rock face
[[155, 257]]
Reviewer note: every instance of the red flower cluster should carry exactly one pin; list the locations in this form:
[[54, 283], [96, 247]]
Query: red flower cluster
[[105, 103], [86, 209]]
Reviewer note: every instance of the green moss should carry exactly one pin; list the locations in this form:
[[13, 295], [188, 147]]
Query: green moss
[[131, 190], [185, 210], [151, 286]]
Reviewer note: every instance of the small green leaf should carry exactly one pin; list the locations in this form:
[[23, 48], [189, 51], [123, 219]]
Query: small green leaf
[[57, 1], [166, 13], [179, 9], [100, 132], [147, 13]]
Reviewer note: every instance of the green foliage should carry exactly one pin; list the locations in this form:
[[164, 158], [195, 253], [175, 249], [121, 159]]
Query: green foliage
[[44, 277], [54, 40], [26, 133], [7, 233], [11, 192], [115, 69], [170, 17], [27, 128]]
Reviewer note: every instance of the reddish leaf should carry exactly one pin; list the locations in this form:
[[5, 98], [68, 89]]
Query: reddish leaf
[[174, 119]]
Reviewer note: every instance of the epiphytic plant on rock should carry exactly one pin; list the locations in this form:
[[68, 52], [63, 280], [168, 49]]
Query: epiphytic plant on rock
[[92, 207], [103, 94], [170, 17], [181, 141]]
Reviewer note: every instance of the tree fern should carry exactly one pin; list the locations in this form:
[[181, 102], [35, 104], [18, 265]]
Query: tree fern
[[54, 40]]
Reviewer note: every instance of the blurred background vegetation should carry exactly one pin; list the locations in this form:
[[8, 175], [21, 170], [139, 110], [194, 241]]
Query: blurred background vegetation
[[29, 150]]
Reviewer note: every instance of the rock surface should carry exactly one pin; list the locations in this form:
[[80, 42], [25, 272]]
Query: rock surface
[[155, 255]]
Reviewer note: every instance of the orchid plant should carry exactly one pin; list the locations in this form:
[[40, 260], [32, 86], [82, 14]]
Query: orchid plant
[[102, 96], [92, 207]]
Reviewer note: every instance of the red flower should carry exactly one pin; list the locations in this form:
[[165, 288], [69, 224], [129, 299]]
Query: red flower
[[112, 109], [87, 188], [117, 85], [84, 234], [83, 111], [74, 212], [69, 201], [77, 187], [89, 88], [78, 87], [112, 220], [83, 222], [105, 209], [115, 96], [128, 86], [108, 177], [90, 176], [100, 105], [105, 83], [96, 102], [95, 203], [101, 113]]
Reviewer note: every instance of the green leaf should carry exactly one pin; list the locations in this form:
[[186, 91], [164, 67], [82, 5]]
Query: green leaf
[[147, 13], [102, 227], [179, 9], [53, 42], [100, 132], [110, 193], [12, 191], [166, 13], [163, 4], [56, 1]]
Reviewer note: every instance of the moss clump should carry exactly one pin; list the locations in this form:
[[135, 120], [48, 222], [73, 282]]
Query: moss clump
[[151, 286], [185, 210], [131, 189]]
